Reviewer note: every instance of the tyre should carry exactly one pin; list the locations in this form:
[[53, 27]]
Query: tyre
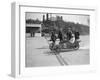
[[51, 46], [76, 47], [57, 49]]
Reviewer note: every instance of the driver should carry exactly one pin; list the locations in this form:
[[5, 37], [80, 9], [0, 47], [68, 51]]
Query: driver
[[53, 37], [60, 36]]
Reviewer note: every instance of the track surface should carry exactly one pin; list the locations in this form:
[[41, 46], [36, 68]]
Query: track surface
[[58, 56], [38, 54]]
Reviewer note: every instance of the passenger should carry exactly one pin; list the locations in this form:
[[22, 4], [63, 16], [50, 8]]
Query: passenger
[[64, 37], [72, 40], [77, 34]]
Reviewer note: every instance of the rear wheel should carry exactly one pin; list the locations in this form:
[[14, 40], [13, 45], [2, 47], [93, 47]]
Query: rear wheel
[[76, 47]]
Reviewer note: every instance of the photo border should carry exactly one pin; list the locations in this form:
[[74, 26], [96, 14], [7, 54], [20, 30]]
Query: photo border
[[16, 63]]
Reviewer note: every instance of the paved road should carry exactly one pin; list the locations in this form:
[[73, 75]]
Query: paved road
[[38, 54]]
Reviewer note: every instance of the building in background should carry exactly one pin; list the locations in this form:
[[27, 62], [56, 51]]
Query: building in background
[[33, 30]]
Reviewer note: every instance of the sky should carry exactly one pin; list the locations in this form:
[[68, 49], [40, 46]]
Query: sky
[[81, 19]]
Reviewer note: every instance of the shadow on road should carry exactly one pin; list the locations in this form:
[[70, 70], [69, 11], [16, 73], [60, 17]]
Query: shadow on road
[[49, 53], [44, 47]]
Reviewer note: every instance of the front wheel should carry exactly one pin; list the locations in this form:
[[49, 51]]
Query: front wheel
[[57, 49], [51, 46]]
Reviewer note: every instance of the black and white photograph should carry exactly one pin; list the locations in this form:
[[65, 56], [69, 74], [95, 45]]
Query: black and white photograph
[[56, 39]]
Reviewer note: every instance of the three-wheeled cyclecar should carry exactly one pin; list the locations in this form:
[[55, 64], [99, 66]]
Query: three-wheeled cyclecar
[[64, 45]]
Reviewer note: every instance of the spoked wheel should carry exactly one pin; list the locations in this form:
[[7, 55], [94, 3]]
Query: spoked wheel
[[76, 47], [51, 46], [57, 49]]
